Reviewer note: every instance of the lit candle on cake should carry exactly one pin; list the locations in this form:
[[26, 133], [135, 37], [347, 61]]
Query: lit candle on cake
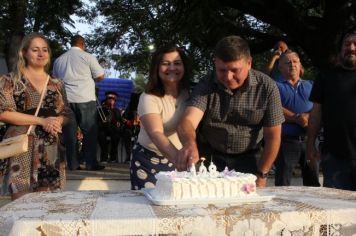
[[212, 170], [193, 170], [202, 169]]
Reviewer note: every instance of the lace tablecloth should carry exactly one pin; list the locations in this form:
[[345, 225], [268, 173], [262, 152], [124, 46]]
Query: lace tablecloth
[[293, 211]]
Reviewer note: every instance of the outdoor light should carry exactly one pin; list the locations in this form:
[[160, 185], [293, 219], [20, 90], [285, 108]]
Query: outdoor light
[[151, 47]]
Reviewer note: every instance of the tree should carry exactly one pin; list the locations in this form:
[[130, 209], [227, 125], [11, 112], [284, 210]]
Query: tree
[[312, 27], [140, 83], [316, 26], [20, 17]]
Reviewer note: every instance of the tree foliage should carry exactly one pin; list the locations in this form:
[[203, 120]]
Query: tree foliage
[[20, 17], [140, 83], [312, 27]]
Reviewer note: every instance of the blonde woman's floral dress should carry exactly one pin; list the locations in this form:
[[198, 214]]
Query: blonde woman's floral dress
[[43, 166]]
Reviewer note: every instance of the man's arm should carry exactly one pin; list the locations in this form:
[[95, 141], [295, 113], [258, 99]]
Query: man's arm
[[271, 62], [272, 139], [99, 78], [313, 155], [300, 119], [186, 131], [96, 69]]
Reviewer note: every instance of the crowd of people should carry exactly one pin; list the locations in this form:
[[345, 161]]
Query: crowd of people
[[235, 116]]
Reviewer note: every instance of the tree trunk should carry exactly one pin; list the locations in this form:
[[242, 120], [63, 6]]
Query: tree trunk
[[14, 44], [17, 32]]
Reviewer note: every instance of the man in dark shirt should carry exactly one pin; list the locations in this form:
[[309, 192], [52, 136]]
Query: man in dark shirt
[[110, 128], [334, 98], [235, 108]]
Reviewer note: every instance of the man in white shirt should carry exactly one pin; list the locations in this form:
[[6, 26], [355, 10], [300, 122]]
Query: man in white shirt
[[79, 71]]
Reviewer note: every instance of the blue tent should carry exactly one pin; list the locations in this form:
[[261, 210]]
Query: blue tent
[[123, 87]]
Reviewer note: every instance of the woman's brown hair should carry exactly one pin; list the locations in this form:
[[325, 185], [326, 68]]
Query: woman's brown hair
[[155, 85]]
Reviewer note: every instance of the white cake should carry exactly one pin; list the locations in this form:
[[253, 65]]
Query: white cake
[[173, 185]]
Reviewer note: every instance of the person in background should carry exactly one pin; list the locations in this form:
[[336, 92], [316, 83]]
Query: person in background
[[294, 93], [110, 127], [272, 65], [160, 108], [79, 70], [130, 128], [334, 98], [79, 145], [271, 69], [130, 131], [42, 167], [235, 108]]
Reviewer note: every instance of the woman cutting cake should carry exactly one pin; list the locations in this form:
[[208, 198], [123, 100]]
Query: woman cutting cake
[[160, 108]]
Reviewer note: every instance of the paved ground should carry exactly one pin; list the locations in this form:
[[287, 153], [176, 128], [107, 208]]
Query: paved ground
[[114, 177]]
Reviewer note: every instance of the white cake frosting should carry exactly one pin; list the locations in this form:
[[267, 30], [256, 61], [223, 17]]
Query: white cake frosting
[[174, 185]]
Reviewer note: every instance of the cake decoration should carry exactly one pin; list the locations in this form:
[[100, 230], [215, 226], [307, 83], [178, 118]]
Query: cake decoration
[[204, 184]]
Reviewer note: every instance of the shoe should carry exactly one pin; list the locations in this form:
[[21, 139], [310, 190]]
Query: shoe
[[96, 167]]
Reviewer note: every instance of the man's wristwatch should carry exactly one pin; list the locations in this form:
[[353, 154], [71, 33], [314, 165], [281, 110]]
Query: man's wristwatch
[[262, 175]]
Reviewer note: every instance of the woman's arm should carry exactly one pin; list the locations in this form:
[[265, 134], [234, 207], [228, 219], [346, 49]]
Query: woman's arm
[[51, 125], [153, 125], [18, 118]]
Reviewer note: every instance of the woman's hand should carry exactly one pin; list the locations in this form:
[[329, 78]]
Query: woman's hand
[[52, 125]]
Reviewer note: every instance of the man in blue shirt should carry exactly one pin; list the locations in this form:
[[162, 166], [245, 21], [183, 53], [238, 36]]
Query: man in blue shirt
[[79, 71], [296, 107]]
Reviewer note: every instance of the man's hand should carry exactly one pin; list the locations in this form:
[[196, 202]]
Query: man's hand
[[313, 158], [261, 182], [187, 156], [302, 119]]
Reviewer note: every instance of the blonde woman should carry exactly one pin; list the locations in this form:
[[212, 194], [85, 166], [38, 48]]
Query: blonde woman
[[42, 168]]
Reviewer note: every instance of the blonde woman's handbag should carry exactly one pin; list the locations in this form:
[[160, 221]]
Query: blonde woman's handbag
[[16, 145]]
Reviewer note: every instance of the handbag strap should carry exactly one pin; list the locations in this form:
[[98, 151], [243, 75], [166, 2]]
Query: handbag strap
[[39, 104]]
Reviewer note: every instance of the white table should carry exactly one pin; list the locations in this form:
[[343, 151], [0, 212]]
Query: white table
[[293, 211]]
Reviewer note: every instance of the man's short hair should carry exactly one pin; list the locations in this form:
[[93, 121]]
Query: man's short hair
[[349, 32], [286, 52], [76, 40], [232, 48]]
